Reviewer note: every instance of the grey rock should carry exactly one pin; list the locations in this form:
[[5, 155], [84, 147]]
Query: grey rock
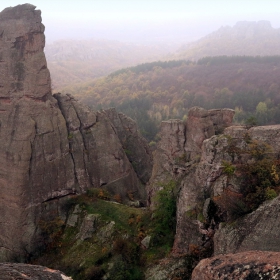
[[206, 180], [135, 146], [258, 230], [73, 218], [146, 242], [179, 156], [89, 226], [105, 234], [11, 271], [168, 268]]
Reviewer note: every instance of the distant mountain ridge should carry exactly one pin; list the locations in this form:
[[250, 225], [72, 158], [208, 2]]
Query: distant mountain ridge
[[244, 38], [77, 61]]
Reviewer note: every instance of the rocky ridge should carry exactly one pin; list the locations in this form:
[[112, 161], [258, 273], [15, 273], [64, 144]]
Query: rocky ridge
[[52, 146]]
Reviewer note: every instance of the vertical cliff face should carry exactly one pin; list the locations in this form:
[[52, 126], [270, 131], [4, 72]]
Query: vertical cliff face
[[33, 132], [50, 147]]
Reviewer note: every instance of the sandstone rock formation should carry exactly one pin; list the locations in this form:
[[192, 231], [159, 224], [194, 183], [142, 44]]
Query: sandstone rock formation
[[11, 271], [51, 146], [196, 226], [180, 144], [241, 266], [195, 160], [177, 157]]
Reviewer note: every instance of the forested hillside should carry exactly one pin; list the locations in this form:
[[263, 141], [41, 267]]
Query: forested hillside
[[152, 92], [244, 38]]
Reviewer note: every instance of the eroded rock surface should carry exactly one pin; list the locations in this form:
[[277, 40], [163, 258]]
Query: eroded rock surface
[[199, 223], [52, 147], [11, 271], [258, 230], [241, 266], [99, 154], [35, 164], [177, 158]]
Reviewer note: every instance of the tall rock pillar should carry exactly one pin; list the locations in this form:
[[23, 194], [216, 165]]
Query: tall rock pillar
[[35, 163]]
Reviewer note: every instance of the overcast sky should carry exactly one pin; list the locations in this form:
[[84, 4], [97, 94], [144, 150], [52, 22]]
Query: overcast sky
[[146, 20]]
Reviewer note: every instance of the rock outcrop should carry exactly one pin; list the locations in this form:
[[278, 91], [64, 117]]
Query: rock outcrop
[[11, 271], [194, 155], [176, 158], [52, 146], [259, 229], [197, 218], [241, 266]]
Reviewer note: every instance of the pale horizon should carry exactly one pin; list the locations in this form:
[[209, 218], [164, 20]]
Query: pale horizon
[[146, 21]]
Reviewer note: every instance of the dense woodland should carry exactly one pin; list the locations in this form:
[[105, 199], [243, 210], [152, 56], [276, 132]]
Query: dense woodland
[[152, 92]]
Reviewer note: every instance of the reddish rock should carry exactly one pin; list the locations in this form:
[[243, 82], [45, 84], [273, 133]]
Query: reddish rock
[[52, 147], [181, 144], [241, 266]]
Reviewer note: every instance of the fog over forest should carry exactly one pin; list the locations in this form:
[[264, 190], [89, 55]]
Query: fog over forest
[[140, 139]]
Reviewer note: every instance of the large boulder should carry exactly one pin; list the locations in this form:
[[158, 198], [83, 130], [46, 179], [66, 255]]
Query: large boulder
[[258, 230], [241, 266]]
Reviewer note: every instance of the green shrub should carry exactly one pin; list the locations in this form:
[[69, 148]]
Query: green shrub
[[228, 168], [270, 193], [164, 221]]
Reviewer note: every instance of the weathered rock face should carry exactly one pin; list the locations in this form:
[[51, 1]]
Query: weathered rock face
[[180, 144], [134, 145], [177, 157], [193, 154], [99, 155], [202, 124], [241, 266], [196, 223], [10, 271], [34, 146], [51, 147], [259, 229]]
